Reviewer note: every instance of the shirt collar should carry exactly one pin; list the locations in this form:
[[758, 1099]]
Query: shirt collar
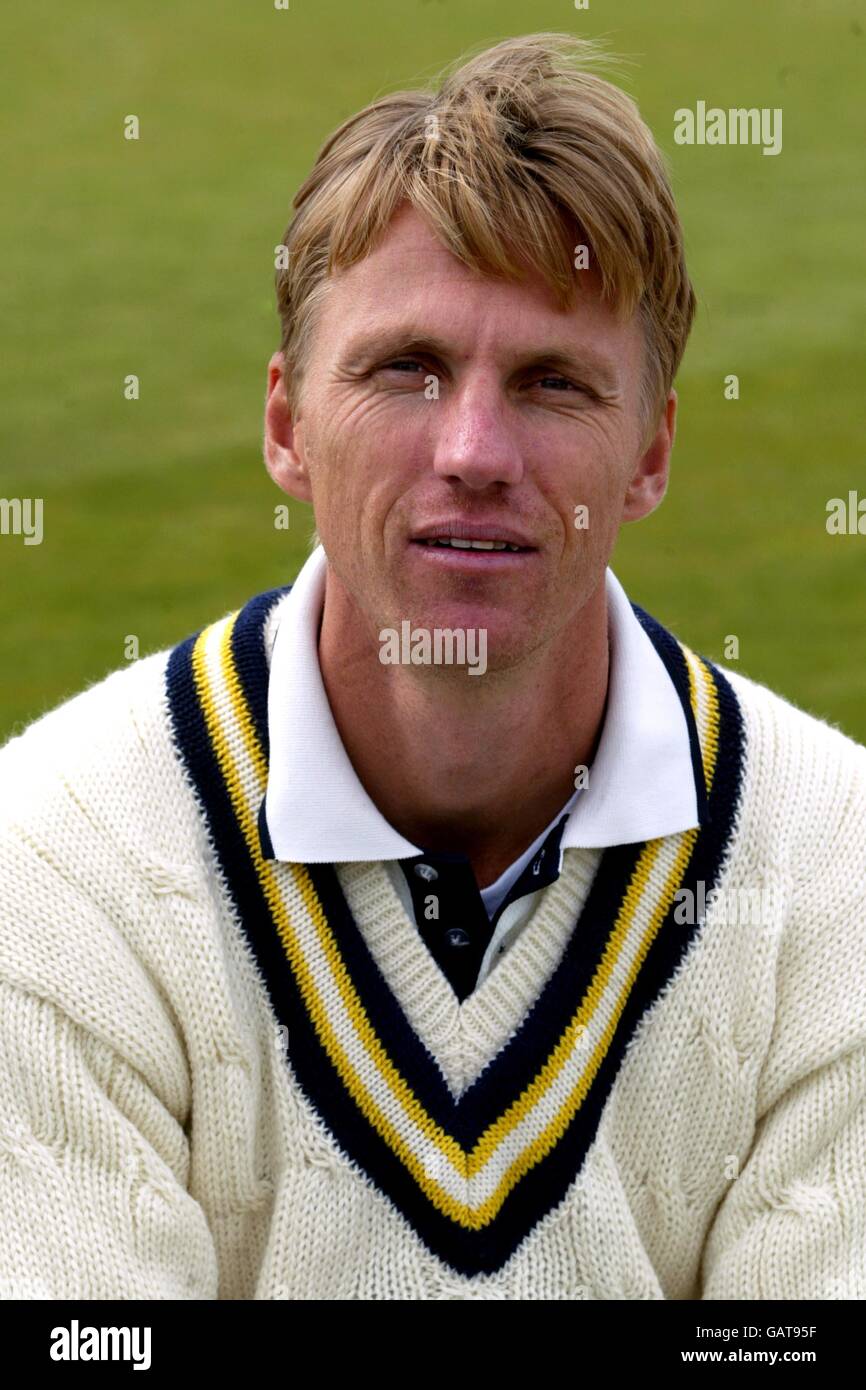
[[315, 810]]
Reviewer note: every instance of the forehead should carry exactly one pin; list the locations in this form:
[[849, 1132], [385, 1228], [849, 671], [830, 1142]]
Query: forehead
[[411, 282]]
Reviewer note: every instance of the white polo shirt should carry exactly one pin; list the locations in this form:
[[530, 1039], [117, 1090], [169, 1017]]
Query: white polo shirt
[[641, 782]]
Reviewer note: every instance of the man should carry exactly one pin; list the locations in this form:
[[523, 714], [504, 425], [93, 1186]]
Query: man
[[440, 925]]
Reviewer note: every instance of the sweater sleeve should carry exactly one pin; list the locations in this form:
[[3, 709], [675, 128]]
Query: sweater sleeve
[[793, 1224], [93, 1199], [96, 1139]]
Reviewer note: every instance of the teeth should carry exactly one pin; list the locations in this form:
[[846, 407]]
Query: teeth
[[452, 541]]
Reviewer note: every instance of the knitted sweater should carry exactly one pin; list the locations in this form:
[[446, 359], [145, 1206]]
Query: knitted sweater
[[228, 1077]]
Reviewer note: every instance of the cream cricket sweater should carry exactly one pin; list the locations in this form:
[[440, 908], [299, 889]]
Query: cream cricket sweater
[[228, 1077]]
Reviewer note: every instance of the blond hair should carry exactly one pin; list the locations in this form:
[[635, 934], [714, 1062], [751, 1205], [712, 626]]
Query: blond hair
[[520, 146]]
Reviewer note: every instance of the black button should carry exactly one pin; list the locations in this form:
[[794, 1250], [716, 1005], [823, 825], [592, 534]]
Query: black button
[[456, 936]]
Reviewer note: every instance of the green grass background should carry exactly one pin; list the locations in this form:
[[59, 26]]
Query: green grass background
[[156, 258]]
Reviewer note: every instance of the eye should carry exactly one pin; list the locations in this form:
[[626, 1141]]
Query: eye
[[400, 363], [559, 383]]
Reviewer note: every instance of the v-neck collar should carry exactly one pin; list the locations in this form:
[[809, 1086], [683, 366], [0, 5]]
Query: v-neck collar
[[463, 1035], [472, 1173]]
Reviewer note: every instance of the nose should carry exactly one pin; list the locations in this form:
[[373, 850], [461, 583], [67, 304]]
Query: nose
[[475, 439]]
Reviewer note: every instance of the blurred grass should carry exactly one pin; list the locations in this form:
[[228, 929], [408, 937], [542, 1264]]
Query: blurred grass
[[156, 257]]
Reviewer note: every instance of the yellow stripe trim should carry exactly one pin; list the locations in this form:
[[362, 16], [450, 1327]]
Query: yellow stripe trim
[[465, 1164]]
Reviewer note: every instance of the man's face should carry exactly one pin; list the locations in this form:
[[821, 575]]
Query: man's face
[[437, 402]]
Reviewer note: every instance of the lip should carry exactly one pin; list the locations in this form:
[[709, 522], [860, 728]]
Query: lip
[[477, 562], [474, 531]]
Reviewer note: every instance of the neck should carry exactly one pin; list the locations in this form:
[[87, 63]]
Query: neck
[[478, 767]]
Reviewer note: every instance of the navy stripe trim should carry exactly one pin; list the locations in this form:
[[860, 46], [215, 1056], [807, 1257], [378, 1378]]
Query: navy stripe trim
[[543, 1187]]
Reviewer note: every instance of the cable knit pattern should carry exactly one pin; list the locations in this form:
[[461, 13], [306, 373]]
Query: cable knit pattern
[[155, 1140]]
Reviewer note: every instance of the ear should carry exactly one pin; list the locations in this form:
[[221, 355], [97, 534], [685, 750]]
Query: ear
[[283, 458], [649, 480]]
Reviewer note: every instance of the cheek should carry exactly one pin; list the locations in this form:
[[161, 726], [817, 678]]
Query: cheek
[[589, 477], [359, 444], [590, 504]]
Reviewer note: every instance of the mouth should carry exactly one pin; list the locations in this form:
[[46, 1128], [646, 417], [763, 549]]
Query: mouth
[[454, 543], [473, 556], [473, 545]]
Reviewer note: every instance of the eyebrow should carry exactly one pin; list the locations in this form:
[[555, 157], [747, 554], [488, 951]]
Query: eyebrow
[[585, 362]]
